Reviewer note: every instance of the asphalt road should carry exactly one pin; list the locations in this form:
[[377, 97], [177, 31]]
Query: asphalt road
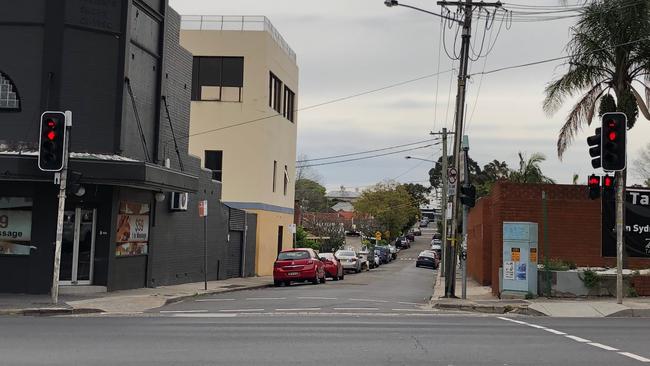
[[372, 318]]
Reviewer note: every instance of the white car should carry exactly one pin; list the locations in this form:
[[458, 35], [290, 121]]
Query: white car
[[350, 260]]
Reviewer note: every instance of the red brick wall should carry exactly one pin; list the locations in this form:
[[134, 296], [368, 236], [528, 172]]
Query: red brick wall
[[642, 285], [574, 232]]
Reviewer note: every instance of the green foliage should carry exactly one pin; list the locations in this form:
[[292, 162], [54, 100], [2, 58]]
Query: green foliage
[[391, 206], [607, 105], [590, 278], [555, 264], [604, 54], [311, 195], [302, 241], [418, 193], [631, 292], [529, 170]]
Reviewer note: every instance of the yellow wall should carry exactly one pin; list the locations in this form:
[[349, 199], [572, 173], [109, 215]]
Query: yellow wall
[[267, 239], [249, 150]]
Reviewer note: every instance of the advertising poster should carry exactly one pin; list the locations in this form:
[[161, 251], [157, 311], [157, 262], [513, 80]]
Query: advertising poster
[[533, 255], [521, 271], [15, 225], [132, 229], [508, 270], [515, 254], [637, 224]]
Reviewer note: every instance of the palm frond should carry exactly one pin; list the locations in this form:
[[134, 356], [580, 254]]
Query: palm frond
[[582, 112], [640, 102], [578, 78]]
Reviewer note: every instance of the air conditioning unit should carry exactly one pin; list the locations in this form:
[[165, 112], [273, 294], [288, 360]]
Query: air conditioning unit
[[178, 201]]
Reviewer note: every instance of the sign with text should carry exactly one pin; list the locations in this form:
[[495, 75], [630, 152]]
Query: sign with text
[[132, 229], [203, 208], [515, 254], [637, 224]]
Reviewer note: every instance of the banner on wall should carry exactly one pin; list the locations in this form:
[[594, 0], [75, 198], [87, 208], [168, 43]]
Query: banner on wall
[[132, 229]]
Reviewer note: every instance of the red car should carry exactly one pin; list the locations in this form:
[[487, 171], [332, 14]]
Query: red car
[[333, 266], [300, 264]]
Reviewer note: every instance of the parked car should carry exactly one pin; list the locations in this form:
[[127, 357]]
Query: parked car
[[365, 259], [350, 260], [427, 258], [301, 264], [417, 231], [333, 266], [393, 251], [383, 253], [370, 256], [437, 248], [410, 236]]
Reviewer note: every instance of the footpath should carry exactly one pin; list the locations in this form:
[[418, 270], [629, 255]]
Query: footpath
[[122, 302], [480, 299]]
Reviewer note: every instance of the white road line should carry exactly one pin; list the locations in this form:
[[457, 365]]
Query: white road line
[[603, 346], [422, 310], [182, 311], [368, 300], [512, 320], [316, 298], [554, 331], [535, 326], [299, 309], [240, 310], [266, 298], [204, 315], [578, 339], [636, 357], [407, 303], [211, 300], [356, 308]]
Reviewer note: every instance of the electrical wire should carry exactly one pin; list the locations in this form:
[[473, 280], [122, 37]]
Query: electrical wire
[[369, 151], [367, 157]]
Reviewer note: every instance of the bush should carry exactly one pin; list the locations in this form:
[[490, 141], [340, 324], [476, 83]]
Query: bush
[[590, 278], [555, 264]]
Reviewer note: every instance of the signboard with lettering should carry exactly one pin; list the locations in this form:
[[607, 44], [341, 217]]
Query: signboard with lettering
[[637, 224], [132, 229]]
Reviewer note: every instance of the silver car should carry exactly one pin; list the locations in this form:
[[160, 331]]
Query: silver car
[[349, 260]]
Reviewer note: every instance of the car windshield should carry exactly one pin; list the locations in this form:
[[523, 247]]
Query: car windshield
[[345, 253], [326, 255], [293, 255]]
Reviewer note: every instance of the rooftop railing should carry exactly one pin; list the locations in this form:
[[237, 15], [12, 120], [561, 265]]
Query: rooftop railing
[[236, 23]]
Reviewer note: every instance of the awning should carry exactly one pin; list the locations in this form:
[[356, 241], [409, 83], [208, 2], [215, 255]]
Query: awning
[[100, 169]]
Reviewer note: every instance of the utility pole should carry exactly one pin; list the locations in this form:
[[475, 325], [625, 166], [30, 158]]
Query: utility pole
[[468, 6], [466, 184], [620, 187], [445, 195]]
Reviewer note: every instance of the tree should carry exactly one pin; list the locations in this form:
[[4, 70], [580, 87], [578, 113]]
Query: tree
[[311, 195], [492, 172], [390, 205], [642, 165], [435, 174], [306, 172], [608, 51], [418, 193], [529, 170]]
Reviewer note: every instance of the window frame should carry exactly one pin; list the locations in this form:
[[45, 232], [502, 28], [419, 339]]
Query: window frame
[[215, 172], [196, 90]]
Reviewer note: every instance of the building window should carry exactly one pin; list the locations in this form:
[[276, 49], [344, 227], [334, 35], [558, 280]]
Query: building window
[[217, 78], [275, 93], [214, 161], [289, 104], [275, 172], [15, 225], [286, 180], [9, 100]]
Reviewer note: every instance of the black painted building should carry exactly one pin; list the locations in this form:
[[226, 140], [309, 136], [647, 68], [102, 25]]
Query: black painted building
[[117, 65]]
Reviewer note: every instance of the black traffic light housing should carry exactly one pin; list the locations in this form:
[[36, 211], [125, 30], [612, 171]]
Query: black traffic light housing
[[609, 188], [468, 195], [51, 144], [594, 186], [594, 143], [614, 129]]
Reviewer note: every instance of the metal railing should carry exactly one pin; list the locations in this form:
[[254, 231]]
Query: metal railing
[[258, 23]]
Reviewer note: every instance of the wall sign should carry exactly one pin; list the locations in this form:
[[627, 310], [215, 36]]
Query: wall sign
[[15, 225], [637, 224], [132, 229]]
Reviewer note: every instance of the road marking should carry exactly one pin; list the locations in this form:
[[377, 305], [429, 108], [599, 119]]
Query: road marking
[[204, 315], [356, 308], [636, 357], [603, 346], [266, 298], [182, 311], [316, 298], [407, 303], [422, 310], [578, 339], [535, 326], [368, 300], [209, 300], [554, 331], [240, 310], [299, 309]]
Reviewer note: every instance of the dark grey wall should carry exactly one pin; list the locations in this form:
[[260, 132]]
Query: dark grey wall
[[251, 240]]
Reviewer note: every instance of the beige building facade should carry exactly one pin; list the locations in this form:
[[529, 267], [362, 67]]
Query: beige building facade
[[243, 122]]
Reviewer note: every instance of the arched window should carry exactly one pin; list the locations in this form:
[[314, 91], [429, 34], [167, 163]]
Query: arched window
[[9, 99]]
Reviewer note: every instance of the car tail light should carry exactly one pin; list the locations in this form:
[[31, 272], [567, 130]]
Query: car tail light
[[310, 262], [276, 265]]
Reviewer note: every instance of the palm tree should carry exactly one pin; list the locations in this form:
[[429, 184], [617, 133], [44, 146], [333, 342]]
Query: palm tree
[[609, 52], [575, 178], [529, 170]]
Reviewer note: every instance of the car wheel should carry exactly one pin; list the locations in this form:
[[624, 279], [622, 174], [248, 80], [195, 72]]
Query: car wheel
[[287, 283], [315, 280], [342, 276], [277, 283], [335, 278], [324, 279]]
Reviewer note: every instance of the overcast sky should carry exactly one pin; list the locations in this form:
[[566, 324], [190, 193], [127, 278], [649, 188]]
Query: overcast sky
[[349, 46]]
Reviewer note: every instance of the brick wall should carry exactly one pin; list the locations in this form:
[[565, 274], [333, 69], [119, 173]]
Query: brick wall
[[574, 232], [642, 285]]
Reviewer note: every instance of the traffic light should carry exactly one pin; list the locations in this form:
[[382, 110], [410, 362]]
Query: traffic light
[[614, 129], [594, 143], [594, 186], [468, 195], [51, 143], [609, 188]]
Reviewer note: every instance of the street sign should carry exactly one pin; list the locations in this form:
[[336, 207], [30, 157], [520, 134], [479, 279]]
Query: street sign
[[292, 228], [449, 209], [451, 175], [451, 190], [203, 208], [378, 236]]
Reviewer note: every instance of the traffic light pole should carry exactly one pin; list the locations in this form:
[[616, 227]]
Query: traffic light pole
[[63, 177], [445, 197], [463, 257], [620, 187]]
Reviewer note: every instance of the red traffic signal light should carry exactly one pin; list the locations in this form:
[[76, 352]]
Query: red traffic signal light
[[608, 181], [51, 144], [614, 128], [594, 186]]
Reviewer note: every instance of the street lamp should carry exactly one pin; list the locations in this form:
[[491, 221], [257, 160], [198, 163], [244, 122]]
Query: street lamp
[[391, 3]]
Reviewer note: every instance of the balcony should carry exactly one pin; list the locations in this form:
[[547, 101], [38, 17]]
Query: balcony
[[236, 23]]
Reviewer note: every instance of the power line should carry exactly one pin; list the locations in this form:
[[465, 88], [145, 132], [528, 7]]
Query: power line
[[368, 151], [367, 157]]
